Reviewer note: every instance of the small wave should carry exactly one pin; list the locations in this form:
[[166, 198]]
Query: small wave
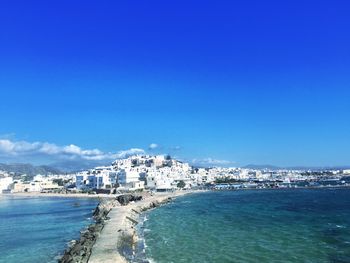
[[57, 257], [151, 260], [165, 240], [340, 226], [332, 225], [71, 243]]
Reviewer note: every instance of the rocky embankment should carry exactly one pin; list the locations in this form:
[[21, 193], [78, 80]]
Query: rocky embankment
[[113, 239], [128, 237], [155, 204], [80, 250], [126, 199]]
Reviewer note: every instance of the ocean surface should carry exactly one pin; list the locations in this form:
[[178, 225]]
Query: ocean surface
[[35, 230], [297, 225]]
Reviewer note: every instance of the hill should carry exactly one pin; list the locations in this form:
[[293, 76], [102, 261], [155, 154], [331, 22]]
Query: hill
[[28, 169]]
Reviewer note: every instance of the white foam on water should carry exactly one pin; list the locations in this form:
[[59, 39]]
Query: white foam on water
[[151, 260], [340, 226]]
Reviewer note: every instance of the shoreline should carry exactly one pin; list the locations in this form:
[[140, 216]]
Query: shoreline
[[120, 231], [78, 195], [115, 224], [113, 196]]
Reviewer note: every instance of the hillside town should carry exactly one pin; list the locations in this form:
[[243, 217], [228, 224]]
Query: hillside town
[[162, 173]]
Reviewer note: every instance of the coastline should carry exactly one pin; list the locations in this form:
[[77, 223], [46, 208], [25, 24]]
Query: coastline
[[113, 196], [119, 231], [115, 225], [113, 237], [78, 195]]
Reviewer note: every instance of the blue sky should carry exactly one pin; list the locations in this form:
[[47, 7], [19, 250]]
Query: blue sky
[[264, 82]]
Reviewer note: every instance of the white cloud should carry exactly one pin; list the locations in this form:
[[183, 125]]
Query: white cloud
[[153, 146], [176, 148], [8, 136], [211, 162], [6, 146], [9, 148], [126, 153]]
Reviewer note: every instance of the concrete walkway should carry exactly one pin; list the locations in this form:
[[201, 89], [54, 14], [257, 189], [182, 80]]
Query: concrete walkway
[[105, 249]]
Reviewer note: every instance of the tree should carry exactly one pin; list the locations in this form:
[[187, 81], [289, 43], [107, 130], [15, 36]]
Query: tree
[[58, 182], [181, 184]]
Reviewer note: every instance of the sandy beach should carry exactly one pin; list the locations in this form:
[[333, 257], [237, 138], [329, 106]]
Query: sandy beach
[[70, 195], [121, 224]]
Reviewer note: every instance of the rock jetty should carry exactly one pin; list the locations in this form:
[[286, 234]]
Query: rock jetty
[[113, 232], [127, 198], [80, 250]]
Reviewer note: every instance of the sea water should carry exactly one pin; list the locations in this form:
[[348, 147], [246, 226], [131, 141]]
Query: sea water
[[38, 229], [298, 225]]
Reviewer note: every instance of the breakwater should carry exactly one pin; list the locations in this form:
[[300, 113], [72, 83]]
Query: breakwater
[[80, 250], [116, 241]]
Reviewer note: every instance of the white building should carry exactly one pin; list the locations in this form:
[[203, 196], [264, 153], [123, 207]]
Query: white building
[[44, 185], [347, 172], [5, 183], [130, 179], [98, 178], [153, 172]]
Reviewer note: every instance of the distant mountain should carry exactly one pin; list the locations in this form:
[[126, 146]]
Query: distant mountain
[[55, 168], [262, 166], [77, 165], [28, 169], [314, 168]]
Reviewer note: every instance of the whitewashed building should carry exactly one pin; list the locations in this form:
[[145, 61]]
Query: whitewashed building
[[98, 178], [5, 183]]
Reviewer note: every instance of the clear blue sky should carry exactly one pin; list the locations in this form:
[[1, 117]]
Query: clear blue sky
[[242, 81]]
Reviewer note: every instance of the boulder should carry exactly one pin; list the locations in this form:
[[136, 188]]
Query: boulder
[[127, 198]]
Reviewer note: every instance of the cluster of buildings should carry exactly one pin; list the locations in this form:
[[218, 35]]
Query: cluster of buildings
[[236, 178], [162, 173], [5, 181], [39, 183], [158, 173]]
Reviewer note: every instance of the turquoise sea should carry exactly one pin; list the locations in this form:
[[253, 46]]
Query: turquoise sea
[[297, 225], [35, 230]]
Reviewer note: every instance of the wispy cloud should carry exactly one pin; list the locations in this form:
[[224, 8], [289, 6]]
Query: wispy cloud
[[8, 136], [211, 162], [176, 148], [126, 153], [11, 148], [153, 146]]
